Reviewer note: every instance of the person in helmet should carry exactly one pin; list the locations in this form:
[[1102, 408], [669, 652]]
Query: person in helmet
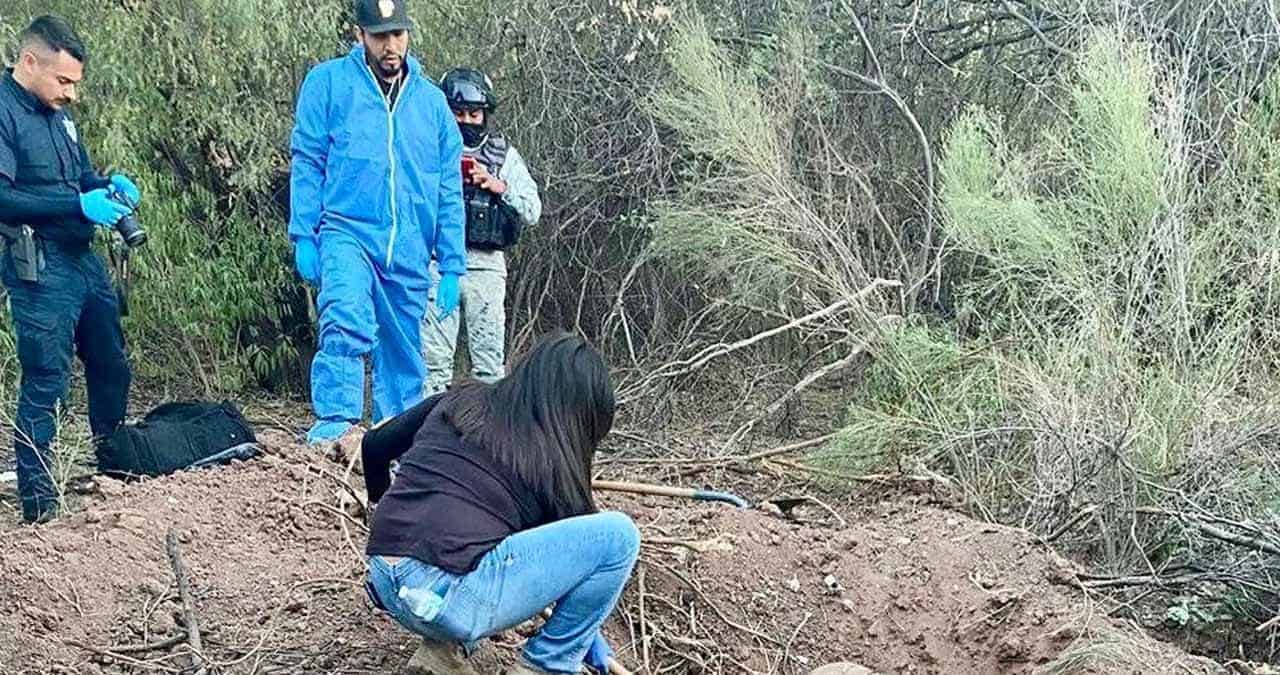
[[501, 199], [376, 195]]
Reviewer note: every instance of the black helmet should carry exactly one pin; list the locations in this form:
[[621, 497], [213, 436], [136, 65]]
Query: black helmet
[[468, 89]]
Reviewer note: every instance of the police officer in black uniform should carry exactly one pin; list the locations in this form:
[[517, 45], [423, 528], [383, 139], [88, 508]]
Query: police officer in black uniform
[[60, 295]]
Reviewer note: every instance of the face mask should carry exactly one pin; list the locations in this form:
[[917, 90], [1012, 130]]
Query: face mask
[[473, 134]]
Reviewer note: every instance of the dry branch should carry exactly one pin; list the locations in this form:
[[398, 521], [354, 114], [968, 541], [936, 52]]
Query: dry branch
[[188, 605]]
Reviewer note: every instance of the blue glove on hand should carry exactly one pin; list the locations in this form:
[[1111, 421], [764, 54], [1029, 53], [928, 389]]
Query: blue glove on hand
[[100, 209], [306, 257], [127, 188], [599, 654], [447, 295]]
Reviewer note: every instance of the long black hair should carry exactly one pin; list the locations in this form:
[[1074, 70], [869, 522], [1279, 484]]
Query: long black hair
[[543, 421]]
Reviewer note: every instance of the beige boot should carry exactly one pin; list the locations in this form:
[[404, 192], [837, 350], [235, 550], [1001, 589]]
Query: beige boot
[[438, 658]]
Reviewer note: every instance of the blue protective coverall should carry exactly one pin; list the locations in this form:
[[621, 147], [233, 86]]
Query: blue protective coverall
[[379, 188]]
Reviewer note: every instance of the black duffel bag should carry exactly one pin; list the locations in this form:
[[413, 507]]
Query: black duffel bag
[[175, 436]]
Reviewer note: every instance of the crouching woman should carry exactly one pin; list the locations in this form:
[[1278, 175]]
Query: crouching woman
[[491, 518]]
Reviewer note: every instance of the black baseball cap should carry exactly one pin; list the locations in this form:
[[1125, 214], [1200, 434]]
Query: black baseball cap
[[382, 16]]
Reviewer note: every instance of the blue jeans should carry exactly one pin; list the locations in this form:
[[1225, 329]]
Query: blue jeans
[[72, 308], [580, 564]]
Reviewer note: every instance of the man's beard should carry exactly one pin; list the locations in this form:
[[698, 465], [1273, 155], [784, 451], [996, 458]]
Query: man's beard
[[383, 71]]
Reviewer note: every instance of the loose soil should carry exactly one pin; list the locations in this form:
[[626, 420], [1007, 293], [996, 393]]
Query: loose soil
[[275, 567]]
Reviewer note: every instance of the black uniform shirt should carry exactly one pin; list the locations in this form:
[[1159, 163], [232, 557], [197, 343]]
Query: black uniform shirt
[[43, 168]]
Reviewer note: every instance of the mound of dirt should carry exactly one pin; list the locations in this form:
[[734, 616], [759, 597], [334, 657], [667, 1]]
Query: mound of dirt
[[275, 567]]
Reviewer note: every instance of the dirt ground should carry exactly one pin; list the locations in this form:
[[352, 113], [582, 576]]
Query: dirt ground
[[901, 585]]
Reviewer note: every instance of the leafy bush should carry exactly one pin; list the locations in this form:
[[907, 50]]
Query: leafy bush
[[1116, 280]]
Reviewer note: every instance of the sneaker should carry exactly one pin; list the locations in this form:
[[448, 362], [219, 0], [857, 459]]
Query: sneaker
[[439, 658]]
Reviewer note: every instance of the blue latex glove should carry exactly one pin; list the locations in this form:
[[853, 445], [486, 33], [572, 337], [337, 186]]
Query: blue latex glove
[[306, 257], [127, 188], [100, 209], [447, 295], [599, 653]]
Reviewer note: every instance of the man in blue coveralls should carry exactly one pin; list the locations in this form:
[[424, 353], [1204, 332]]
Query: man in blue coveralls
[[376, 189], [60, 296]]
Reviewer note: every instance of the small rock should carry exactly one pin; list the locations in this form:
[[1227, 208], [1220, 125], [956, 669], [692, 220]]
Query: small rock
[[794, 584], [984, 581], [1011, 649], [109, 487], [847, 605], [902, 541], [163, 624], [832, 584], [296, 604], [151, 588], [953, 522]]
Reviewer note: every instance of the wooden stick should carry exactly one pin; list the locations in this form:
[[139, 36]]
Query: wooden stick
[[644, 631], [166, 643], [188, 606], [643, 488]]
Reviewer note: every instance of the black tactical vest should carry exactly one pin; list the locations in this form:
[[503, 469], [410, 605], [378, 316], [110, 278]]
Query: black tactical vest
[[492, 224]]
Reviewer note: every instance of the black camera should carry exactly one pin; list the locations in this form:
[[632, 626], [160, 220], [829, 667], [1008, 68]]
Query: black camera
[[129, 228]]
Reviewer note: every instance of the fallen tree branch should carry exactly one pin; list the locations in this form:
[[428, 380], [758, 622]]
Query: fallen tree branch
[[702, 358], [1084, 513], [781, 450], [1257, 543], [188, 605], [804, 383]]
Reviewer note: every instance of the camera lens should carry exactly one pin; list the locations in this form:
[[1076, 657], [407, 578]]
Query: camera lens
[[131, 231]]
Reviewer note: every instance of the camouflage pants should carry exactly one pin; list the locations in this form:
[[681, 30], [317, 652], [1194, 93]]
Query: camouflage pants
[[482, 305]]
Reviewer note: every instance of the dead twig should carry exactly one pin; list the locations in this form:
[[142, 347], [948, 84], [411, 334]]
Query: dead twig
[[271, 627], [786, 649], [1084, 513], [188, 605], [122, 658], [1255, 542], [702, 358], [644, 631], [697, 546], [171, 641], [338, 512], [795, 390], [716, 609]]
